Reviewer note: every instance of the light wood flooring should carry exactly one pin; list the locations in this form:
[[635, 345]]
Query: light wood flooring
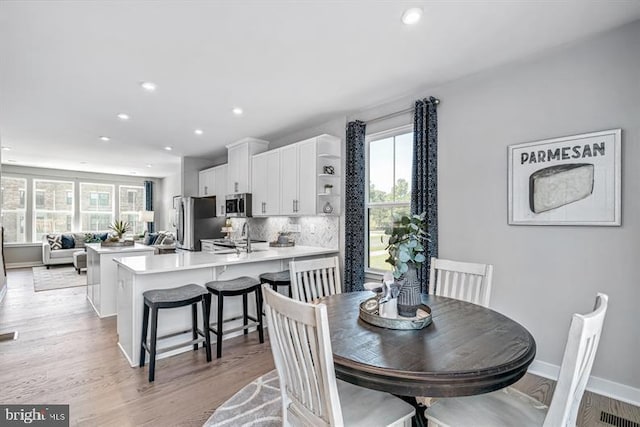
[[65, 354]]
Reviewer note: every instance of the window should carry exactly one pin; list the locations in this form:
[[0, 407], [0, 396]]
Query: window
[[96, 206], [14, 209], [131, 204], [389, 162], [53, 212]]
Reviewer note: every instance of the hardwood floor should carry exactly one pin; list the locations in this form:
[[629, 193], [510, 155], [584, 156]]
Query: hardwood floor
[[65, 354]]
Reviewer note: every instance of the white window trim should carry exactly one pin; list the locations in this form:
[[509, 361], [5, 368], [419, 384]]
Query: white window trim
[[372, 272]]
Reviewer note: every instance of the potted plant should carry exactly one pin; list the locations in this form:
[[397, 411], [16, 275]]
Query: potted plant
[[406, 252], [120, 227]]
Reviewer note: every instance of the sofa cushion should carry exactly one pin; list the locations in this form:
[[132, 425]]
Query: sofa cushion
[[102, 236], [67, 241], [63, 254], [164, 239], [79, 240], [55, 241]]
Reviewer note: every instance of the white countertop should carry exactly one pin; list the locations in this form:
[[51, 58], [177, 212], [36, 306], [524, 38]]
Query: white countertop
[[137, 247], [185, 260]]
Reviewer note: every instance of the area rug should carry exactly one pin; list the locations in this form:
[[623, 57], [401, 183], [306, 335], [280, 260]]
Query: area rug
[[57, 277], [257, 404]]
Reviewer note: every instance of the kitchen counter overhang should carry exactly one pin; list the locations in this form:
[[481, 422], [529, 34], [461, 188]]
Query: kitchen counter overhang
[[185, 260]]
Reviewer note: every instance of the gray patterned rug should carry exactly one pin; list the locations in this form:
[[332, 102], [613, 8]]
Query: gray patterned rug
[[257, 404], [57, 277]]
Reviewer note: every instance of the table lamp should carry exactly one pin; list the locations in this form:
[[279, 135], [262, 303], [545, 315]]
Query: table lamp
[[147, 217]]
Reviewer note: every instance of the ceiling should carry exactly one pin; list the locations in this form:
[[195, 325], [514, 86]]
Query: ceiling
[[67, 68]]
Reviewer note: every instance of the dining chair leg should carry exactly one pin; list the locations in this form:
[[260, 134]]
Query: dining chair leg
[[219, 327], [206, 309], [143, 339], [154, 339], [259, 313], [245, 314], [194, 324]]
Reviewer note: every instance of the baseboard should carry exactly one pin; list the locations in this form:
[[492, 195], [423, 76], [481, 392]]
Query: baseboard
[[597, 385], [23, 264]]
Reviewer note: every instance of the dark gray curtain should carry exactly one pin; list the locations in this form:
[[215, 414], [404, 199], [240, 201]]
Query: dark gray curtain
[[148, 202], [424, 184], [354, 208]]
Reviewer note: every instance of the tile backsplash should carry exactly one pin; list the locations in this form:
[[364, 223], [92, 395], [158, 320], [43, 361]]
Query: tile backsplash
[[320, 231]]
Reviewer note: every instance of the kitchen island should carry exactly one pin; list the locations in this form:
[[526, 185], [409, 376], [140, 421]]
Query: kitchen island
[[101, 274], [141, 273]]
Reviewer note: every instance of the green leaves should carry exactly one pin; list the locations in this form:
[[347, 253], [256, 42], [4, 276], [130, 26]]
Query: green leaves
[[406, 243]]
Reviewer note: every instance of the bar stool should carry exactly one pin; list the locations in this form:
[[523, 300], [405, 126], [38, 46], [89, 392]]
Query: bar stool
[[181, 296], [240, 286], [277, 278]]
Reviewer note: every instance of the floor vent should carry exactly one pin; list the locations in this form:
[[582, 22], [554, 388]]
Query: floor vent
[[617, 421], [9, 336]]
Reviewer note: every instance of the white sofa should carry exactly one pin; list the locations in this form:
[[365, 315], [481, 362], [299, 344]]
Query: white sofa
[[62, 256]]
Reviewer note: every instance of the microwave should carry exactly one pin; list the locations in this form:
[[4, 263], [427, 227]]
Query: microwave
[[238, 205]]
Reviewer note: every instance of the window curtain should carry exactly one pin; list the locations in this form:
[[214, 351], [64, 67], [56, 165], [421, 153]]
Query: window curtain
[[424, 184], [354, 207], [148, 202]]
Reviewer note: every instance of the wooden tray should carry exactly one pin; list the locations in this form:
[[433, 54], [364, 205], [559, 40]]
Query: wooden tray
[[281, 245], [116, 244], [369, 313]]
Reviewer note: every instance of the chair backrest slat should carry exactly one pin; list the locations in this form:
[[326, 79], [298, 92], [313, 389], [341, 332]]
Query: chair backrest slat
[[579, 355], [466, 281], [316, 278], [300, 341]]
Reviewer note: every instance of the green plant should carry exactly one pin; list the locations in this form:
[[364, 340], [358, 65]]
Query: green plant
[[406, 244], [120, 227]]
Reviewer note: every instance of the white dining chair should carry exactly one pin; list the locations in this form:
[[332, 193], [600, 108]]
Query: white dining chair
[[465, 281], [510, 407], [315, 278], [311, 394]]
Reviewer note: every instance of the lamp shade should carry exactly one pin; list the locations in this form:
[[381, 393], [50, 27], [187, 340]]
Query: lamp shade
[[146, 216]]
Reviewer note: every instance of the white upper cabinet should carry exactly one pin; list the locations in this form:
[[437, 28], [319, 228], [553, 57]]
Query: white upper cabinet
[[239, 163], [220, 188], [206, 182], [265, 183], [298, 178], [213, 182]]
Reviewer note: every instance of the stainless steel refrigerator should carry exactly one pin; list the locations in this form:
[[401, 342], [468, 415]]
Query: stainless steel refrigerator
[[195, 220]]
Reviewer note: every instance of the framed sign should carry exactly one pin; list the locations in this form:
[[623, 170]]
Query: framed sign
[[574, 180]]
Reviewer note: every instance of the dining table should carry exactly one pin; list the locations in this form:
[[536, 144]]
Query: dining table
[[467, 349]]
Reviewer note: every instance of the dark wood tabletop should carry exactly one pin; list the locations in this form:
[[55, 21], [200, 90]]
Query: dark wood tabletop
[[467, 350]]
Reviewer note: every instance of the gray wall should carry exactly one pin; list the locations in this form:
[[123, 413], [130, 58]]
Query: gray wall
[[543, 274]]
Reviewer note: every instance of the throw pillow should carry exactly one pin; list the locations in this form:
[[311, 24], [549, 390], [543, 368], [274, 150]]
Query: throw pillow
[[102, 236], [162, 239], [149, 238], [55, 241], [67, 241], [79, 240]]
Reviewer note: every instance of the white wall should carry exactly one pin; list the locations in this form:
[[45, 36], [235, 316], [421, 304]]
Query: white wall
[[170, 187], [543, 274]]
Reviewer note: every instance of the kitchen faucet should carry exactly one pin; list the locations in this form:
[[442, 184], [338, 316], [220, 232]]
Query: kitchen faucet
[[246, 232]]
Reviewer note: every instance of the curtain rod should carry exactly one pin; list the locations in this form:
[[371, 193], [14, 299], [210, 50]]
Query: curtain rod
[[397, 113]]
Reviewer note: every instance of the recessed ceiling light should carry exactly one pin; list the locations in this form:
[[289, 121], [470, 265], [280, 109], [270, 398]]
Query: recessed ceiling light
[[149, 165], [105, 138], [412, 16], [83, 163], [168, 148], [198, 131], [5, 148], [237, 111], [123, 116], [11, 161], [133, 173], [149, 86]]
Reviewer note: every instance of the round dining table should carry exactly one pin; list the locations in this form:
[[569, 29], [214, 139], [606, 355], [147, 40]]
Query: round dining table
[[467, 349]]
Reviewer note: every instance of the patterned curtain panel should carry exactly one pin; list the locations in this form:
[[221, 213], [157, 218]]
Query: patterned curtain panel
[[354, 208], [424, 184], [148, 202]]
